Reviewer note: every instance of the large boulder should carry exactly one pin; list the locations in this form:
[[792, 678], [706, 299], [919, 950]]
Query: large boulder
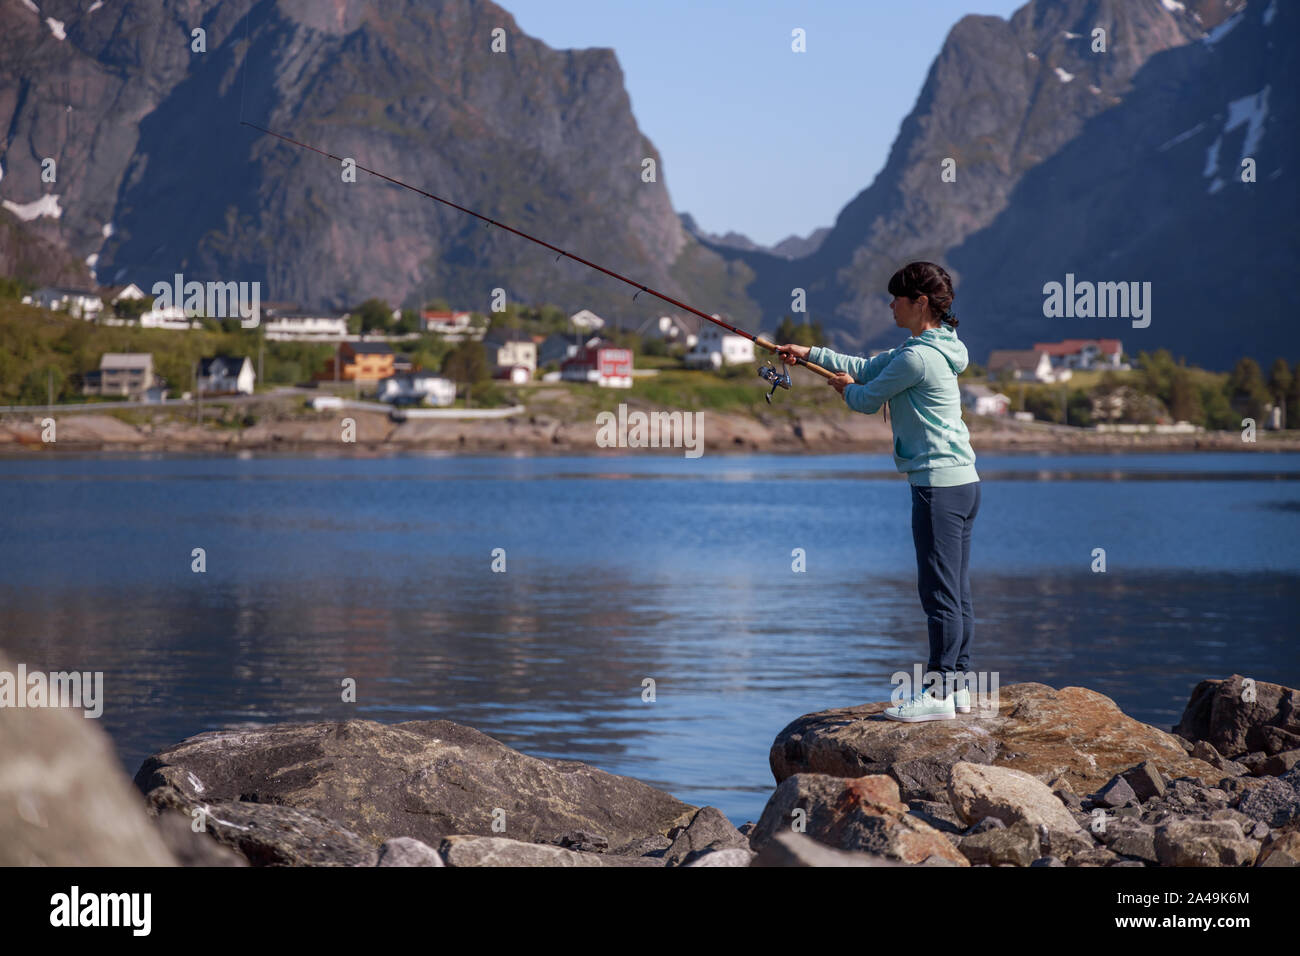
[[422, 779], [1072, 733], [64, 800], [1204, 843], [1238, 718], [1012, 796], [863, 813]]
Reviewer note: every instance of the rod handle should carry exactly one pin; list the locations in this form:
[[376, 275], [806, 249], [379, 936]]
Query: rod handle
[[771, 347]]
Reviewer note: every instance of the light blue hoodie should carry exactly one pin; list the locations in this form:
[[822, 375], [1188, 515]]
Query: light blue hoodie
[[919, 380]]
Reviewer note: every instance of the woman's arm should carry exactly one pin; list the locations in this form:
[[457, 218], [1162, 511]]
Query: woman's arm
[[862, 369], [904, 370]]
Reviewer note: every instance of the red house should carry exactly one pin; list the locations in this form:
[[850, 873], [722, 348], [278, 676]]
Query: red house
[[599, 361]]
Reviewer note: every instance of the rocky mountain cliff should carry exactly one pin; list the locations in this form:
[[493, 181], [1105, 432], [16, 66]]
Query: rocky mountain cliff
[[155, 175], [1152, 191], [1002, 100]]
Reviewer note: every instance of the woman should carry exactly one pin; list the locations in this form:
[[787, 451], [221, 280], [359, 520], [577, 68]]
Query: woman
[[932, 447]]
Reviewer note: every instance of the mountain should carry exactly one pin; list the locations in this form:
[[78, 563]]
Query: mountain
[[1060, 169], [791, 247], [149, 149], [1152, 191]]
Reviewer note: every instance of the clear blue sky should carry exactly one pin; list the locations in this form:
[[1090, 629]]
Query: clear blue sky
[[754, 137]]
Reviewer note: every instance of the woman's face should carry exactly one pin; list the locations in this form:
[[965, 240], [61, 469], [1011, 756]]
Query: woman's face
[[906, 311]]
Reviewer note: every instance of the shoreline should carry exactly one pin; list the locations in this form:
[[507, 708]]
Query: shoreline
[[727, 434]]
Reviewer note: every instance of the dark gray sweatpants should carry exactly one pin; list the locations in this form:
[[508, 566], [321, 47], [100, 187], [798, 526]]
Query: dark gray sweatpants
[[941, 528]]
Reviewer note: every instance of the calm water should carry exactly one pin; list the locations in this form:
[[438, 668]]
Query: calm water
[[619, 569]]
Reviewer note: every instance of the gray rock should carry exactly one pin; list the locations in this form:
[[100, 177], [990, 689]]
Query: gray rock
[[709, 830], [191, 848], [1010, 795], [1278, 764], [1116, 793], [1045, 861], [64, 800], [1138, 842], [267, 834], [422, 779], [1222, 713], [1146, 781], [941, 816], [652, 846], [470, 850], [1276, 802], [1204, 843], [984, 825], [1280, 850], [583, 842], [407, 851], [1097, 856], [1016, 845]]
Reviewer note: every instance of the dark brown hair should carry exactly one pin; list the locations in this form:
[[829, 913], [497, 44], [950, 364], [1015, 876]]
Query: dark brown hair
[[932, 281]]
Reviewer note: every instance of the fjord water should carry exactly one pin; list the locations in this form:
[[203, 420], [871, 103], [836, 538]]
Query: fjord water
[[623, 569]]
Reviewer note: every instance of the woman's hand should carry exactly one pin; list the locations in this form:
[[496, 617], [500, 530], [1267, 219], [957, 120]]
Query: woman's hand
[[839, 380], [790, 353]]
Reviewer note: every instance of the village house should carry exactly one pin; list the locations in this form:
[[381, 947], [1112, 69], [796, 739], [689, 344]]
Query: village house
[[982, 400], [601, 362], [512, 354], [448, 322], [672, 330], [1026, 365], [417, 388], [555, 348], [113, 294], [359, 362], [1085, 354], [127, 375], [305, 326], [226, 375], [718, 347], [78, 303], [586, 320], [170, 317]]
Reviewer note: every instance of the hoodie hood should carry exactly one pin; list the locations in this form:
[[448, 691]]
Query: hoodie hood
[[945, 340]]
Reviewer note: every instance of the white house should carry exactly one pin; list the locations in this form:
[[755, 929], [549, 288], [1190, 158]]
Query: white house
[[508, 349], [672, 329], [718, 347], [1026, 365], [1085, 354], [122, 293], [306, 327], [172, 317], [419, 387], [586, 319], [226, 375], [126, 374], [982, 400], [78, 303]]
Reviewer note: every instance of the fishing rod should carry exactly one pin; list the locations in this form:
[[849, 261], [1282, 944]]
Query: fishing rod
[[779, 379]]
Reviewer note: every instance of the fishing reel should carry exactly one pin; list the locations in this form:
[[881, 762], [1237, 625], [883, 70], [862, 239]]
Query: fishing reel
[[779, 379]]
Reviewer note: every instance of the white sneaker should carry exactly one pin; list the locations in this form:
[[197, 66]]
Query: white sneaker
[[961, 700], [923, 707]]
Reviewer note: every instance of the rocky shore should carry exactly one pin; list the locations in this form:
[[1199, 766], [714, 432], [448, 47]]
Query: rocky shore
[[1055, 778], [540, 434]]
